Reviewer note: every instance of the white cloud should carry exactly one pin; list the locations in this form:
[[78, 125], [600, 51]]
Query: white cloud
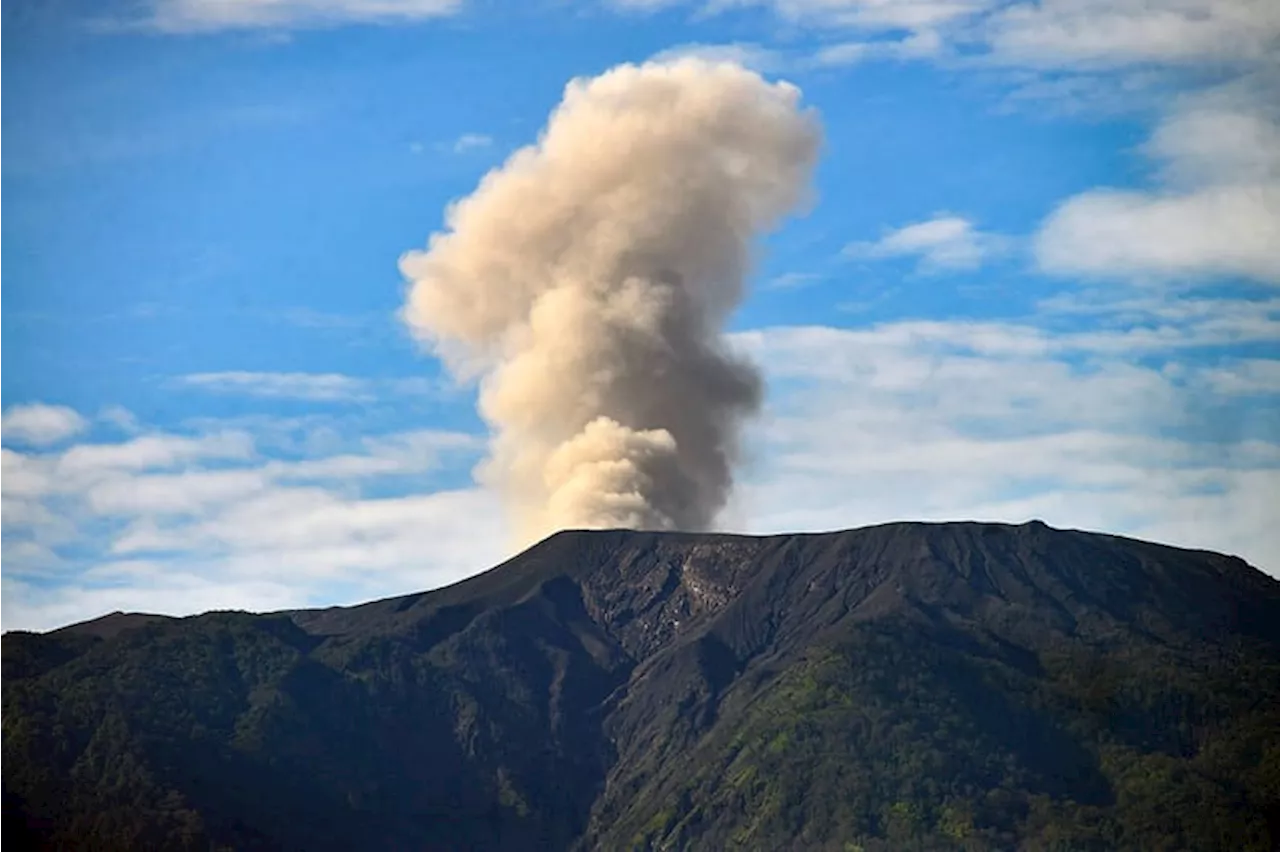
[[470, 142], [874, 14], [1219, 230], [1216, 214], [121, 418], [139, 477], [1134, 321], [172, 494], [1075, 34], [29, 606], [315, 387], [1008, 421], [920, 45], [21, 475], [1118, 328], [162, 512], [1214, 210], [844, 53], [149, 452], [1070, 36], [1247, 376], [1227, 137], [942, 243], [190, 16], [39, 424], [792, 281], [1112, 33], [768, 60], [327, 533], [274, 549], [915, 419], [401, 453], [1074, 93]]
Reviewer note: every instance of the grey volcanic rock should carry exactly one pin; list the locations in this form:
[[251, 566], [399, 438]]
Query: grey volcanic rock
[[965, 685]]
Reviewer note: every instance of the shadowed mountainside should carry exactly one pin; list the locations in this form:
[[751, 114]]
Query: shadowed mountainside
[[906, 686]]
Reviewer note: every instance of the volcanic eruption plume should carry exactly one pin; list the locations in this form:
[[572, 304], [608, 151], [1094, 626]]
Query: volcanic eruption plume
[[587, 280]]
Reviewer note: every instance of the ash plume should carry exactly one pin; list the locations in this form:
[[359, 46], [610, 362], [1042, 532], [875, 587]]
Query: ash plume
[[587, 280]]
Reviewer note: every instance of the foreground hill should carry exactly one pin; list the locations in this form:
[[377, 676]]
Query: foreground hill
[[907, 686]]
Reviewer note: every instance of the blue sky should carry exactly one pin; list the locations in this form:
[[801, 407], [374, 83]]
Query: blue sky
[[1038, 279]]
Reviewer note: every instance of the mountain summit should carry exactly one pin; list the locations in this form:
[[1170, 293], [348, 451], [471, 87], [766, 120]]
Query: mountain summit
[[906, 686]]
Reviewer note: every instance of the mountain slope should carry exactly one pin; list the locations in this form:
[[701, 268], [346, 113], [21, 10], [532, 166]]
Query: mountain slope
[[932, 686]]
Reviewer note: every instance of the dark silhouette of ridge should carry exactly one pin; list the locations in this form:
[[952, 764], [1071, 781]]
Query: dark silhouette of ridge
[[112, 624]]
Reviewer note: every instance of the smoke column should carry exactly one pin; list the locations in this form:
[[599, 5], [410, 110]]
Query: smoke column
[[587, 280]]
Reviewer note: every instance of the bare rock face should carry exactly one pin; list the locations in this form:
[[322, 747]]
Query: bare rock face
[[934, 686]]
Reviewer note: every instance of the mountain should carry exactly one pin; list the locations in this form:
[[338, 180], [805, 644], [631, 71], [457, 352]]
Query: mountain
[[907, 686]]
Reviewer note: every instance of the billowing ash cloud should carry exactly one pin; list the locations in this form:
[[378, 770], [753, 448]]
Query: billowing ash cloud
[[588, 278]]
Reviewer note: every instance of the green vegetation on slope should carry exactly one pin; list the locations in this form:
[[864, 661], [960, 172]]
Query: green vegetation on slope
[[893, 740], [241, 732], [948, 687]]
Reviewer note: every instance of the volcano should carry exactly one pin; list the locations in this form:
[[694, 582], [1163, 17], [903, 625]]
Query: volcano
[[906, 686]]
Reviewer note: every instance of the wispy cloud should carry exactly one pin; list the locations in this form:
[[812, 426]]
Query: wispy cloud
[[194, 16], [1114, 33], [1080, 34], [191, 491], [1117, 423], [792, 281], [40, 424], [920, 45], [944, 242], [1214, 211], [121, 418], [1217, 231], [1010, 421], [146, 452], [1217, 212], [140, 520], [470, 142], [314, 387], [773, 60], [1077, 50], [1247, 377], [913, 15]]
